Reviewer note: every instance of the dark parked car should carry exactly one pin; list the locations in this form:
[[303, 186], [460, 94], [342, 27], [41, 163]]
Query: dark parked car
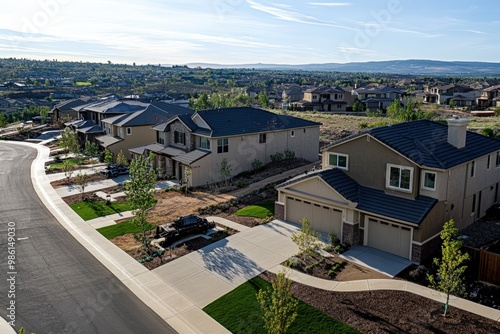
[[114, 170], [182, 227]]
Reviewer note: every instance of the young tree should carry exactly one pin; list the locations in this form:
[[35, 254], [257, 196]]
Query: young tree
[[279, 307], [69, 141], [140, 191], [68, 169], [121, 159], [187, 176], [450, 266], [357, 106], [306, 239], [82, 181], [225, 170], [3, 120], [263, 100], [91, 149], [108, 156]]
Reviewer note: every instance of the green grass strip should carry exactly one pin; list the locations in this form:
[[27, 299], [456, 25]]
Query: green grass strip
[[240, 312], [126, 227], [89, 209], [260, 210]]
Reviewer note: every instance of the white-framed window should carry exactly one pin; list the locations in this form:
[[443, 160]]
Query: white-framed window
[[338, 160], [222, 145], [429, 180], [120, 132], [204, 143], [399, 177], [262, 138], [160, 137], [292, 133], [129, 131]]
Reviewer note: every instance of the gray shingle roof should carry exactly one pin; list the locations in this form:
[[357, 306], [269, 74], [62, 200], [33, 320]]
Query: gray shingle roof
[[190, 157], [426, 143], [246, 120], [377, 201], [107, 140]]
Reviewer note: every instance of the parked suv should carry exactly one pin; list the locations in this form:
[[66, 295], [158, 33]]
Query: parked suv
[[182, 227], [114, 170]]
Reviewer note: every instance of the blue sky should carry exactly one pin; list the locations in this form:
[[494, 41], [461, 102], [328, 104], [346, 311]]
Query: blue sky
[[249, 31]]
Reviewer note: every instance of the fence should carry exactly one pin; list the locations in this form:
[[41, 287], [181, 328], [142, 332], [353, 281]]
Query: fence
[[485, 265]]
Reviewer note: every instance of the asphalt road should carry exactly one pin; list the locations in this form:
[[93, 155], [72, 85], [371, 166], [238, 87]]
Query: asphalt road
[[55, 284]]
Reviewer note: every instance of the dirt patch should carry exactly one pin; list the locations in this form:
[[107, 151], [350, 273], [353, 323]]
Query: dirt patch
[[332, 268], [64, 182], [390, 311], [91, 197]]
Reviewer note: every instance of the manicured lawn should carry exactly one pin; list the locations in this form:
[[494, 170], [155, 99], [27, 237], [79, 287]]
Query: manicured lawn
[[123, 228], [83, 83], [90, 209], [261, 210], [240, 312], [71, 161]]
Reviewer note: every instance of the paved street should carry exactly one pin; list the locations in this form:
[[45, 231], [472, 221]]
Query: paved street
[[59, 286]]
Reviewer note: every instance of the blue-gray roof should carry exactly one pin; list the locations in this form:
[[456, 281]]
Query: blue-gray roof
[[426, 143], [245, 120], [377, 201]]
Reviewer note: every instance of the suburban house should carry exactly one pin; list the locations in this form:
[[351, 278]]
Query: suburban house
[[203, 141], [66, 109], [292, 94], [134, 129], [376, 97], [324, 98], [392, 188], [490, 97], [89, 125], [444, 93]]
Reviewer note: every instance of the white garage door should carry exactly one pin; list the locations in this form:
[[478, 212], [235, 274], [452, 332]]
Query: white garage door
[[391, 238], [323, 219]]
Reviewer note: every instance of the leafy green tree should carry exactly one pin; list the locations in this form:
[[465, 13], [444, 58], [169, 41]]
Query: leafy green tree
[[91, 149], [279, 307], [225, 170], [452, 103], [263, 99], [108, 156], [121, 159], [140, 191], [409, 112], [187, 176], [3, 120], [357, 106], [69, 141], [202, 102], [306, 239], [81, 181], [451, 266], [68, 168]]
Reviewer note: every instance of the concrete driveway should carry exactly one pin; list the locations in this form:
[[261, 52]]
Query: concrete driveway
[[385, 263], [207, 274]]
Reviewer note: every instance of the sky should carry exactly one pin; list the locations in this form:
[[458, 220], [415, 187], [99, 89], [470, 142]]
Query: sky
[[249, 31]]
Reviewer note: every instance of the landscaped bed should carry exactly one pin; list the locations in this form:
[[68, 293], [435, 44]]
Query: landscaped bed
[[123, 228], [90, 208], [239, 312]]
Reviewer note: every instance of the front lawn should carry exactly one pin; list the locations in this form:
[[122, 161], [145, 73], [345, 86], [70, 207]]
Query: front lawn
[[126, 227], [240, 312], [260, 210], [94, 209], [71, 161]]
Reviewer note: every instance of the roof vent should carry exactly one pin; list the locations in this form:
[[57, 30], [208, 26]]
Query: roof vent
[[457, 131]]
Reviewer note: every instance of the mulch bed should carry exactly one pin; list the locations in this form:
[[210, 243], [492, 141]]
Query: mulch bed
[[390, 311]]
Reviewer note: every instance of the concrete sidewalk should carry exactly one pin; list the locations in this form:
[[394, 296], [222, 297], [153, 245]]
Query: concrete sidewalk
[[389, 284], [92, 186], [61, 176], [109, 220]]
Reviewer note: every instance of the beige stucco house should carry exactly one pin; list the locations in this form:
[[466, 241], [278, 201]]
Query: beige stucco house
[[134, 129], [202, 141], [324, 98], [392, 188]]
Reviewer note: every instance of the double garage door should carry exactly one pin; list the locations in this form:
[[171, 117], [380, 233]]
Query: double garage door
[[323, 219], [390, 238]]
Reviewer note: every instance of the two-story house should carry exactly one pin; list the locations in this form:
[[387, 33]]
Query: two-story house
[[324, 98], [444, 93], [202, 141], [66, 110], [134, 129], [392, 188], [376, 97], [490, 97]]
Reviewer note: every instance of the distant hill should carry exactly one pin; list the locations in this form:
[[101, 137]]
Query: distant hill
[[411, 66]]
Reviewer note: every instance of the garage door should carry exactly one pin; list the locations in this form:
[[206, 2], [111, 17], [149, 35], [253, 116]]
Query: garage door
[[391, 238], [323, 219]]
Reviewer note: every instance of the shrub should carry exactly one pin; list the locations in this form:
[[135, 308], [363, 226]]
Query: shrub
[[289, 154], [276, 157], [363, 125], [256, 164], [294, 262]]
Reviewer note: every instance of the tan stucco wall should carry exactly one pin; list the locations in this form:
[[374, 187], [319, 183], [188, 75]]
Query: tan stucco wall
[[368, 161], [141, 135]]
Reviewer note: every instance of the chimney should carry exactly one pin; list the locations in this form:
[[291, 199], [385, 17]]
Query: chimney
[[457, 130]]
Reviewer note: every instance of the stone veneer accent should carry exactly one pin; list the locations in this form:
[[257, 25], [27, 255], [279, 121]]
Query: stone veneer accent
[[179, 127], [350, 234], [421, 253], [279, 210]]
